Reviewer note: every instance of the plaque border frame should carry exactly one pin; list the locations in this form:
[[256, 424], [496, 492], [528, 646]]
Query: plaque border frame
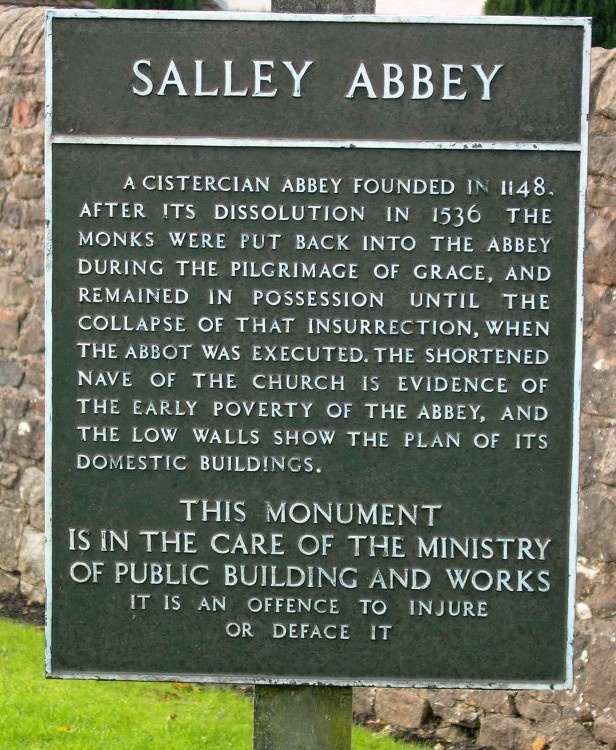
[[221, 16]]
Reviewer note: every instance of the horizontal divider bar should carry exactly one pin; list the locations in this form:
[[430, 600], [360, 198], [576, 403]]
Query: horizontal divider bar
[[129, 140]]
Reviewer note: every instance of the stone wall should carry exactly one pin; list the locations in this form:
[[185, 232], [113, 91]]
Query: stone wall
[[21, 300], [582, 719]]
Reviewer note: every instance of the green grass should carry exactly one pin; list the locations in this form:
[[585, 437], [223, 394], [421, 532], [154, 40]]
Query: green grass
[[38, 713]]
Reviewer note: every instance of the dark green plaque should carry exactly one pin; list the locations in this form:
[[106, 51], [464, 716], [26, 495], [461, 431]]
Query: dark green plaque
[[314, 329]]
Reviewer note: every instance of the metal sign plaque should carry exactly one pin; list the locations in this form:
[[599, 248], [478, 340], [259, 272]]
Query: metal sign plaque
[[314, 325]]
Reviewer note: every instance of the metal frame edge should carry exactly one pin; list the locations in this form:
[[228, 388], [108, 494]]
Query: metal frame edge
[[582, 147], [577, 367], [48, 334], [257, 679], [315, 17]]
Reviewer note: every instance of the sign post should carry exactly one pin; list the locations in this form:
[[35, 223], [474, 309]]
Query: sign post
[[319, 715], [314, 325], [301, 717]]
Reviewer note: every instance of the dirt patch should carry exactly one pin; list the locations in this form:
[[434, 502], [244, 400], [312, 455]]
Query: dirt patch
[[18, 607]]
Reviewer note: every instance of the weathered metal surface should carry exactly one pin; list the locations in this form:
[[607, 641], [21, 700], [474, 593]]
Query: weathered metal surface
[[340, 446]]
